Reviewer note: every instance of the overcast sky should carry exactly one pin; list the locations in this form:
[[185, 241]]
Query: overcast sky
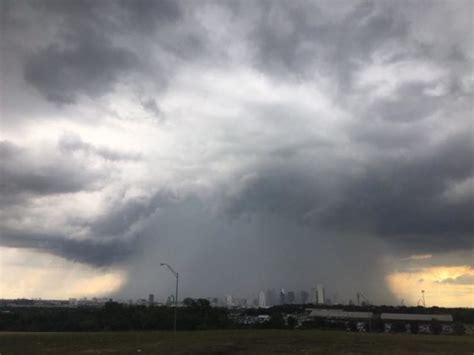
[[250, 144]]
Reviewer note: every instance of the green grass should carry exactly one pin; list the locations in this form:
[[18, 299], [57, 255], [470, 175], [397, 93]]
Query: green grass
[[232, 342]]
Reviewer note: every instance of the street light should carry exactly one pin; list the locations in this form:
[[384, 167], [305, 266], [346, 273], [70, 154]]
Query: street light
[[176, 294]]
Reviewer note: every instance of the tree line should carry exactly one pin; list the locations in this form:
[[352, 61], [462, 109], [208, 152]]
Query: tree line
[[197, 314]]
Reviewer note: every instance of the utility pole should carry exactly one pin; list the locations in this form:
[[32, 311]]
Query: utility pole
[[176, 275], [422, 299]]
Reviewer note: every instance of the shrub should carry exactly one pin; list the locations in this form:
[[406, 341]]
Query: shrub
[[414, 327], [398, 327], [435, 327], [459, 329]]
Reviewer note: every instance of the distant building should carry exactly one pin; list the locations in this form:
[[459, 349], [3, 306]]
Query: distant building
[[304, 297], [151, 299], [214, 301], [141, 302], [321, 296], [314, 295], [290, 297], [282, 296], [270, 298], [170, 300], [228, 301], [339, 314], [262, 300], [416, 317]]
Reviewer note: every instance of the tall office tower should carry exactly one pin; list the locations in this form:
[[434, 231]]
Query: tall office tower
[[290, 297], [270, 298], [151, 299], [228, 301], [282, 296], [261, 300], [314, 295], [320, 289], [304, 297]]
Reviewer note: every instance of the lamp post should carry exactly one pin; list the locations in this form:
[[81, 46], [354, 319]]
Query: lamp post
[[176, 294]]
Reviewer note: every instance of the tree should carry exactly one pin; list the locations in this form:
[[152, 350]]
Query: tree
[[377, 326], [202, 302], [352, 326], [189, 302], [414, 327], [291, 322], [435, 327], [276, 321], [459, 329], [398, 327]]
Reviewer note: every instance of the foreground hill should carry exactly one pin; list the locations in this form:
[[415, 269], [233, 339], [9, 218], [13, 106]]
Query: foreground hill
[[232, 342]]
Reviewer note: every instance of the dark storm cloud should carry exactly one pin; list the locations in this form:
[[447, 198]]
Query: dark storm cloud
[[399, 199], [403, 197], [96, 252], [84, 64], [293, 40], [141, 15], [83, 58], [145, 15], [122, 218], [111, 238], [22, 174]]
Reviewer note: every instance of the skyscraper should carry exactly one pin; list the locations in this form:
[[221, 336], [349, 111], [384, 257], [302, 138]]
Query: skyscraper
[[228, 301], [151, 299], [304, 296], [314, 295], [282, 296], [320, 290], [290, 297], [270, 298], [262, 300]]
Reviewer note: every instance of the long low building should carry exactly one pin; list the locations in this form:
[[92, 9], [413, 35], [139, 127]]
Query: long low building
[[339, 314], [409, 317]]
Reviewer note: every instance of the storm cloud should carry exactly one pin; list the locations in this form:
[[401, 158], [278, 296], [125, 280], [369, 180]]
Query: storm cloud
[[94, 252], [298, 135]]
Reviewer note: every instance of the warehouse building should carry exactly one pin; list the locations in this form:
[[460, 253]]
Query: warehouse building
[[339, 314], [408, 317]]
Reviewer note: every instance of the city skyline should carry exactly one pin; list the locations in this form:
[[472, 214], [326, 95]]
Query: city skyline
[[250, 144]]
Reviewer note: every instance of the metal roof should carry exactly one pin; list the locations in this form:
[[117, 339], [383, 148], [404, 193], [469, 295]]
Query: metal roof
[[417, 317], [339, 313]]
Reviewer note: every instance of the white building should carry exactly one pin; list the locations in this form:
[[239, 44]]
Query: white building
[[416, 317], [228, 301], [321, 296], [262, 300]]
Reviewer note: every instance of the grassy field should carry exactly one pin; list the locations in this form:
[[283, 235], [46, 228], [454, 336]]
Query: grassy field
[[232, 342]]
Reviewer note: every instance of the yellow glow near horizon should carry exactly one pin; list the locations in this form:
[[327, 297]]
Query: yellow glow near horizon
[[437, 282], [30, 274]]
